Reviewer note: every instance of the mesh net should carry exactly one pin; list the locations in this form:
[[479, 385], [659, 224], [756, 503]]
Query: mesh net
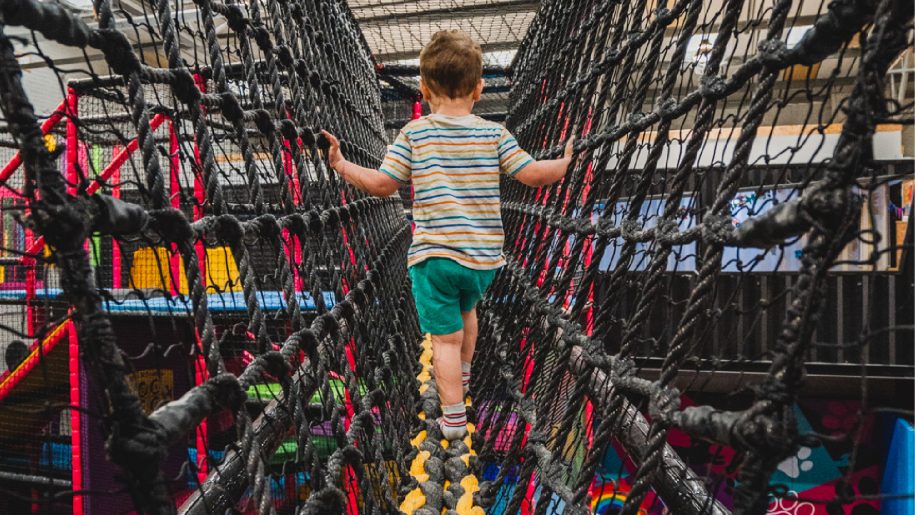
[[198, 298], [714, 245], [196, 314]]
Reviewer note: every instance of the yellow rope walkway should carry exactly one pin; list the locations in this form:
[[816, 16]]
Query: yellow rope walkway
[[442, 469]]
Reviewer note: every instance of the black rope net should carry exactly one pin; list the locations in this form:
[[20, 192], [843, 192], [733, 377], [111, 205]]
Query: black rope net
[[191, 294], [198, 299], [727, 171]]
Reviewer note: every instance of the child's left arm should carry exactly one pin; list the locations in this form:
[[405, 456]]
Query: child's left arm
[[369, 180]]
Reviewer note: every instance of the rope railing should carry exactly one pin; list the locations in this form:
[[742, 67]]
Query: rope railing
[[592, 255], [245, 339], [349, 246]]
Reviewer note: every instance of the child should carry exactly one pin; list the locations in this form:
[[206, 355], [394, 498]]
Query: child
[[453, 159]]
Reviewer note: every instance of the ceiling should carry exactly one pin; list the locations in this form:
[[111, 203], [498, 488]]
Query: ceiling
[[396, 30]]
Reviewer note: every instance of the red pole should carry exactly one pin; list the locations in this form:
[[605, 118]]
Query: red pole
[[115, 248], [29, 263], [199, 192], [174, 190], [200, 372], [76, 447], [72, 142], [293, 250], [75, 426]]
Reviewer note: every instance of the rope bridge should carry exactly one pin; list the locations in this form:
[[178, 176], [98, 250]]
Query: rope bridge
[[239, 330]]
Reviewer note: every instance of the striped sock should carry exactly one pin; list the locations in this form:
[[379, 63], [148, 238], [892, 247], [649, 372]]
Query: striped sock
[[454, 421], [465, 376]]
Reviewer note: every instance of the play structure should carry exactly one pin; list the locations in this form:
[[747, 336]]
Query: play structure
[[711, 313]]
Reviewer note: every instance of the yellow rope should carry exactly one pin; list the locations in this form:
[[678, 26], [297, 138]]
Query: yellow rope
[[417, 499]]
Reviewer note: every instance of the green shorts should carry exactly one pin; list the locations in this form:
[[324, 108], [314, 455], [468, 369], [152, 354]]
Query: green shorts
[[443, 289]]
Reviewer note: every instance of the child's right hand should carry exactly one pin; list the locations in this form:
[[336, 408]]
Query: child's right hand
[[334, 155]]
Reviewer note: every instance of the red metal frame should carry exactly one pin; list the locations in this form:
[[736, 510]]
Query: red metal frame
[[112, 170], [73, 155], [76, 445], [293, 249], [174, 190], [115, 247], [37, 351], [16, 161], [200, 365]]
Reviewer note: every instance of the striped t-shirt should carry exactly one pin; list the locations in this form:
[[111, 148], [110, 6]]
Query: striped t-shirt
[[454, 164]]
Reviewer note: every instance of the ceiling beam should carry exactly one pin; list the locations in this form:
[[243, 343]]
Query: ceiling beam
[[414, 53], [449, 13]]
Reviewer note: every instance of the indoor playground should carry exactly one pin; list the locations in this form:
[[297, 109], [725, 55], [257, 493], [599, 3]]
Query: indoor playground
[[713, 311]]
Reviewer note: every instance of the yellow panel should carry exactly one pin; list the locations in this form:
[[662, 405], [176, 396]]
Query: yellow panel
[[222, 271], [151, 269]]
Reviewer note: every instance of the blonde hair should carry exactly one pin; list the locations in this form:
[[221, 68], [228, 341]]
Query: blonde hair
[[451, 64]]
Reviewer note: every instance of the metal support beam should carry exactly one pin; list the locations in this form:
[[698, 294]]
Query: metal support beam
[[447, 13]]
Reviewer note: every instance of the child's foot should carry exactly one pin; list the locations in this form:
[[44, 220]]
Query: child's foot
[[453, 422], [452, 433]]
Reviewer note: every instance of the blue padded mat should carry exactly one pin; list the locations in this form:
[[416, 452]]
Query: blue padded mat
[[229, 302]]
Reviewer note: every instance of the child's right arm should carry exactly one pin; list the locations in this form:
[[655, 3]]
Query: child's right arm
[[368, 180], [546, 172]]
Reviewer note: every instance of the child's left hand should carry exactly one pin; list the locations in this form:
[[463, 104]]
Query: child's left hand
[[334, 155], [569, 147]]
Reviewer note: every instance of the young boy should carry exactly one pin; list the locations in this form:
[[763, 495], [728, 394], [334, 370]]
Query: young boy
[[453, 160]]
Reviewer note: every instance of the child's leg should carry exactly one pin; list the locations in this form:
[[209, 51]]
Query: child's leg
[[446, 365], [468, 346], [446, 356]]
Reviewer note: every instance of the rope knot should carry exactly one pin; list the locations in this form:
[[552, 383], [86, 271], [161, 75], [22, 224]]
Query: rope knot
[[629, 229], [774, 391], [294, 223], [712, 87], [315, 222], [773, 53], [274, 363], [717, 229], [664, 402], [264, 122], [666, 231], [287, 129], [183, 86], [315, 80], [308, 343], [235, 18], [308, 137], [172, 225], [229, 229], [267, 226], [284, 54], [262, 38], [227, 391], [231, 108], [666, 107], [301, 68]]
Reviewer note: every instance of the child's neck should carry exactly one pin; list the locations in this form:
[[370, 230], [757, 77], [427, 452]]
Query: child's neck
[[451, 106]]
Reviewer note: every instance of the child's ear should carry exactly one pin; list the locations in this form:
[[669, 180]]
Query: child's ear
[[478, 91], [424, 90]]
